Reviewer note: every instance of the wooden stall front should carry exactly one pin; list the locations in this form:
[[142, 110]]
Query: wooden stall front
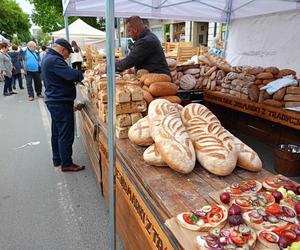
[[147, 196], [268, 124]]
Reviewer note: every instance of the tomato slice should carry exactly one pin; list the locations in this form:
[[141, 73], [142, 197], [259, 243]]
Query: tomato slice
[[274, 209], [238, 238], [271, 237], [289, 234], [243, 202], [214, 218], [235, 191], [270, 198], [215, 209], [187, 219]]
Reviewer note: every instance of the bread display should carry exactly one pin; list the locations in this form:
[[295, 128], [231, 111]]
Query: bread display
[[171, 98], [171, 139], [153, 157], [162, 89], [150, 78], [215, 149]]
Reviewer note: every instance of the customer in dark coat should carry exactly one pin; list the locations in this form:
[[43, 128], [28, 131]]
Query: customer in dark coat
[[14, 55], [147, 52], [60, 93]]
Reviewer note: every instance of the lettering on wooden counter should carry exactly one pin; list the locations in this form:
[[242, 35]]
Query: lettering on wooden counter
[[278, 115], [146, 220]]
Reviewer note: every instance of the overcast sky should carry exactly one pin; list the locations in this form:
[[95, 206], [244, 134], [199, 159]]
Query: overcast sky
[[25, 5]]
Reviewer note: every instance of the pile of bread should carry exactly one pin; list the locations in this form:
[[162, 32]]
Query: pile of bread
[[176, 136], [130, 104], [264, 76], [208, 75], [237, 84], [158, 86]]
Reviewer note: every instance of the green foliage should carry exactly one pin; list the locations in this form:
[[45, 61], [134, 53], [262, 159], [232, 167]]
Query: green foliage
[[42, 38], [13, 21], [48, 14]]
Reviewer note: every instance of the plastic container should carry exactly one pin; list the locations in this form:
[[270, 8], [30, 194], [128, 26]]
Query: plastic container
[[287, 159]]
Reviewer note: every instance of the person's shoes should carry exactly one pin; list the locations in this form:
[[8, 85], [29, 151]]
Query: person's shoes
[[40, 96], [30, 98], [14, 87], [72, 168], [13, 93], [56, 164], [6, 94], [21, 87]]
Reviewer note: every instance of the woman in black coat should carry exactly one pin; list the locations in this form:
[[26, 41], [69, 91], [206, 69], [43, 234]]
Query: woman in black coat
[[17, 67]]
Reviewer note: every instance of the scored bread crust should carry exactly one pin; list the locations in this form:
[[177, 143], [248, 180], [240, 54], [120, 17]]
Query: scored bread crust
[[153, 157], [214, 148], [139, 133], [205, 226], [171, 138]]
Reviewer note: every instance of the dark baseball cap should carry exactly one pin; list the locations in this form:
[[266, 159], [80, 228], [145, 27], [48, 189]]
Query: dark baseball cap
[[64, 43]]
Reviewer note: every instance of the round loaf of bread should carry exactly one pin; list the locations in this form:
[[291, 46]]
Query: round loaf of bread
[[147, 96], [171, 98], [264, 75], [187, 82]]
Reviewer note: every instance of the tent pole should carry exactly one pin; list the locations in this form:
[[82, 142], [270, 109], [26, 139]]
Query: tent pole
[[110, 57], [67, 27], [119, 32], [228, 17]]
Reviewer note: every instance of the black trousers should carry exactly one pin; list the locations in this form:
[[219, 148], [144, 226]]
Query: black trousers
[[7, 85]]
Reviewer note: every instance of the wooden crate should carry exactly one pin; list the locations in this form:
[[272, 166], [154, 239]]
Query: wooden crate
[[186, 53]]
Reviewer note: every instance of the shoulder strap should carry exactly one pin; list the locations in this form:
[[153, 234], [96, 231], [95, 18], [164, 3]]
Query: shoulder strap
[[34, 56]]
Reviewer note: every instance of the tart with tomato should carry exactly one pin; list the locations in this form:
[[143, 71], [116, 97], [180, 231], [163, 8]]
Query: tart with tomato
[[270, 238], [272, 183], [270, 217], [204, 219], [254, 201], [238, 237], [242, 188], [290, 200]]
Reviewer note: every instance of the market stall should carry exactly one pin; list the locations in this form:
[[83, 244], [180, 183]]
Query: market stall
[[149, 199]]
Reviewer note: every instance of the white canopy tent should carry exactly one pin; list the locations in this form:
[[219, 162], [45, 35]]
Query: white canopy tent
[[3, 39], [83, 34], [223, 11]]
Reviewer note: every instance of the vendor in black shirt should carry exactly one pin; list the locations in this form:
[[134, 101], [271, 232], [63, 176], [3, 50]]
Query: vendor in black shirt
[[147, 52]]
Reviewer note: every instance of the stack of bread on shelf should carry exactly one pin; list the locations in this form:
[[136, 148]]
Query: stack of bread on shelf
[[158, 86], [176, 136]]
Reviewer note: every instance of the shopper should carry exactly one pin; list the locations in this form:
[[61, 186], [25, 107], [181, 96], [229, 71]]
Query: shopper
[[30, 67], [59, 80], [43, 52], [76, 57], [147, 52], [6, 68], [14, 54]]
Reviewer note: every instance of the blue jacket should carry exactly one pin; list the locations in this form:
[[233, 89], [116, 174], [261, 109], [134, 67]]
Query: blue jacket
[[30, 61], [59, 78]]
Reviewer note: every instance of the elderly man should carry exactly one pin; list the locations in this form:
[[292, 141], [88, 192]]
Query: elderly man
[[147, 52], [59, 80], [30, 67]]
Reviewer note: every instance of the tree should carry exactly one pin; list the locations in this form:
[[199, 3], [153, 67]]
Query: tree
[[42, 38], [48, 14], [13, 21]]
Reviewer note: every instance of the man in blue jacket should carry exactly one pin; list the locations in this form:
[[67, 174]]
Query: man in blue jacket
[[60, 93]]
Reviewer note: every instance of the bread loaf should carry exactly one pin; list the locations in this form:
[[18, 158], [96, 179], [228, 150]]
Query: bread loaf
[[122, 95], [286, 72], [266, 81], [293, 90], [135, 117], [153, 77], [163, 88], [253, 92], [122, 132], [171, 98], [247, 157], [292, 104], [214, 148], [278, 96], [273, 70], [139, 133], [141, 72], [147, 96], [123, 120], [135, 92], [170, 136], [153, 157], [187, 82], [171, 62], [273, 103], [264, 75], [292, 98]]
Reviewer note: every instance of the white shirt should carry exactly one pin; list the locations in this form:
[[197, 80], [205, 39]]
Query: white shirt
[[76, 57]]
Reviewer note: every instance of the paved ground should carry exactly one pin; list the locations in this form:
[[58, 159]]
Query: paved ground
[[41, 207]]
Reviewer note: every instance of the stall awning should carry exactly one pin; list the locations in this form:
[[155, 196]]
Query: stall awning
[[190, 10]]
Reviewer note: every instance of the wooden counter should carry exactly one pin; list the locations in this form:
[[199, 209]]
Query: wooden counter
[[146, 196]]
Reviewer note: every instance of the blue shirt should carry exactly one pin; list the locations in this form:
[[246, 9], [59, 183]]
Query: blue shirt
[[216, 51], [31, 61]]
